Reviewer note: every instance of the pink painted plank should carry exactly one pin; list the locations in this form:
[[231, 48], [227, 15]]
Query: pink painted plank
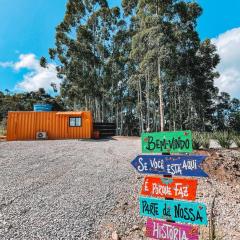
[[163, 230]]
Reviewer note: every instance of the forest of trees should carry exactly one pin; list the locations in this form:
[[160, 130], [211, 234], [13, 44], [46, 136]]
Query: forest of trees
[[25, 101], [143, 67]]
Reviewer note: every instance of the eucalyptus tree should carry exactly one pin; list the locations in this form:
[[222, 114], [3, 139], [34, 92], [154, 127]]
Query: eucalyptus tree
[[149, 71], [170, 57], [121, 68], [83, 41], [203, 89], [165, 40]]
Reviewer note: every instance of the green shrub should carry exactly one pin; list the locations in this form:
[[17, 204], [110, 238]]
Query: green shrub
[[2, 131], [236, 139], [3, 127], [225, 138], [200, 139], [196, 140], [205, 140]]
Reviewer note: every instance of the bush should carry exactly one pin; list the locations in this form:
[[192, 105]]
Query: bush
[[236, 139], [225, 138], [200, 140], [196, 140], [3, 127]]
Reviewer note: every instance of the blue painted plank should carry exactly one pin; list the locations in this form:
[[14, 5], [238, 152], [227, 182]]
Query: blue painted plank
[[179, 165], [179, 211]]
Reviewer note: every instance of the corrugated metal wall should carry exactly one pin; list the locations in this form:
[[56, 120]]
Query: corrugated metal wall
[[25, 125]]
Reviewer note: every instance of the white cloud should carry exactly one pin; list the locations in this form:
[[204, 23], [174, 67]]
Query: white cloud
[[228, 47], [37, 76], [6, 64], [27, 61]]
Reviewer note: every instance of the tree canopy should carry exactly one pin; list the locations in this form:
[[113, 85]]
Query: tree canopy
[[144, 68]]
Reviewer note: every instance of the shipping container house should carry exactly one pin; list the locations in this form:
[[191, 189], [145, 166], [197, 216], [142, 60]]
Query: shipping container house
[[57, 125]]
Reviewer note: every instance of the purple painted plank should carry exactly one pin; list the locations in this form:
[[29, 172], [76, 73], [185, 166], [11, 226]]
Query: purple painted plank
[[170, 231]]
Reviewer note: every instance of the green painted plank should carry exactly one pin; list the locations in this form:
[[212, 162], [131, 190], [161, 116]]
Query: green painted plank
[[167, 142]]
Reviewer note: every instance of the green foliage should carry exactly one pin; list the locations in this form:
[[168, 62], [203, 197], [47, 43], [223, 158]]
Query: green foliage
[[3, 127], [236, 139], [85, 55], [168, 53], [148, 71], [43, 62], [25, 101], [224, 138], [201, 140], [234, 121]]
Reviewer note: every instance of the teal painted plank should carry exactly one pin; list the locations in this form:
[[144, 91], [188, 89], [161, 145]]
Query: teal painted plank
[[179, 211]]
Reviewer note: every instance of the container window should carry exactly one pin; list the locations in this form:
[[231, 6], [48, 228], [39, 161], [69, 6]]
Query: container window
[[75, 121]]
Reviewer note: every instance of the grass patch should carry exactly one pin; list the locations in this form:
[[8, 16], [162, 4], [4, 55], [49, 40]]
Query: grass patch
[[3, 127], [236, 139], [224, 138], [2, 131], [201, 140]]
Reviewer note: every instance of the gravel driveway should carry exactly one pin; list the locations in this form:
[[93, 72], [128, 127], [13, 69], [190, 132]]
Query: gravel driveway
[[88, 190], [63, 189]]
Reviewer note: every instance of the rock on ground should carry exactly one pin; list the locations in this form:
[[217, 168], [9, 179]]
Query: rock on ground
[[213, 143]]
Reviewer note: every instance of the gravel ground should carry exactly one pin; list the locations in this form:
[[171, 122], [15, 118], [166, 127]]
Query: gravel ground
[[88, 190]]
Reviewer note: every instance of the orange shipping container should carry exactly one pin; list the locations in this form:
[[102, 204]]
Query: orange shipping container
[[57, 125]]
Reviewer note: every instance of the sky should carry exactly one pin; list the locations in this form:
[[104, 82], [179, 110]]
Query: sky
[[27, 31]]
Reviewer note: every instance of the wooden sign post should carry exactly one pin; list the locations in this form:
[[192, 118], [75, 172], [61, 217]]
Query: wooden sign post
[[158, 193]]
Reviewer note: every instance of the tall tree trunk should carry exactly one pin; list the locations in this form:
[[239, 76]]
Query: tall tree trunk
[[117, 119], [140, 98], [99, 110], [86, 103], [121, 126], [161, 106], [112, 104], [75, 104], [103, 110], [180, 109], [148, 100], [96, 110], [155, 120], [91, 104], [139, 114], [111, 111], [175, 108], [155, 111], [170, 120]]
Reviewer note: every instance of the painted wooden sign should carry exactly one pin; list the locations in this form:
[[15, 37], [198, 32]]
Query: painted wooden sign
[[178, 188], [179, 165], [167, 142], [179, 211], [170, 231]]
